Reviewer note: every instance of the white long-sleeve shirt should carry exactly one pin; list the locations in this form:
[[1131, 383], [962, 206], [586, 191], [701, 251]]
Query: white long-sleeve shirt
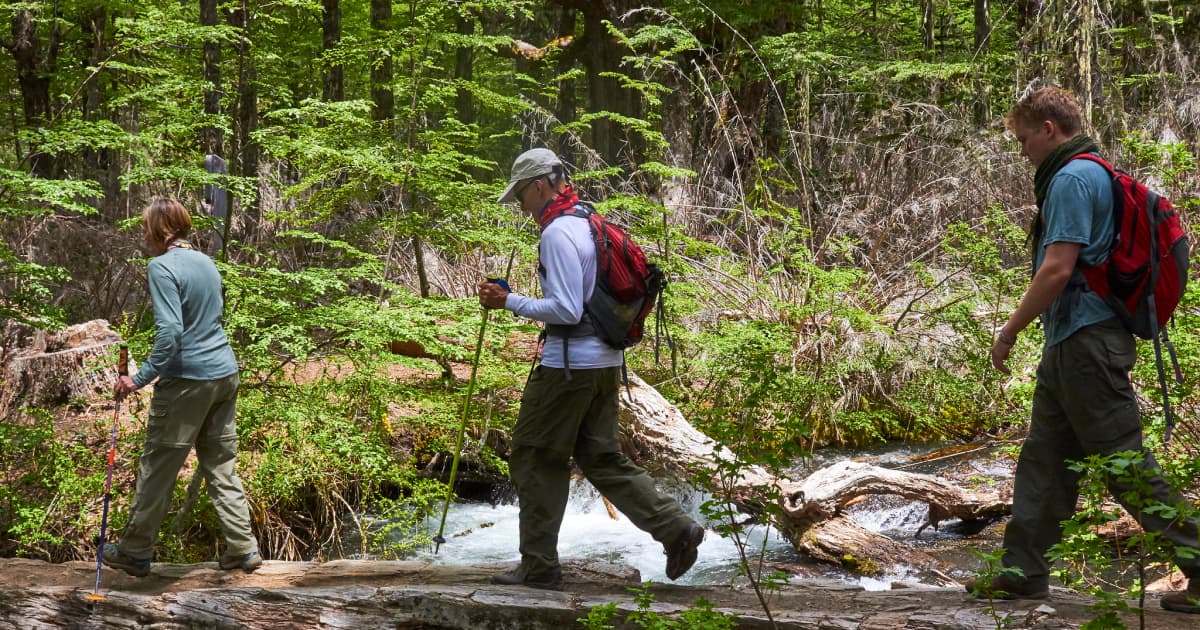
[[568, 276]]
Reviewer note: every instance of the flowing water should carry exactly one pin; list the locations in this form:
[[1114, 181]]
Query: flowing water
[[589, 532], [482, 533]]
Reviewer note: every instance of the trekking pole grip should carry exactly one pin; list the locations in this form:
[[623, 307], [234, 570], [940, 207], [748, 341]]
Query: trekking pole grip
[[123, 361]]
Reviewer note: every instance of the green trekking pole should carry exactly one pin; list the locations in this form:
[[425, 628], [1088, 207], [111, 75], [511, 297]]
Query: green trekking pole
[[439, 539]]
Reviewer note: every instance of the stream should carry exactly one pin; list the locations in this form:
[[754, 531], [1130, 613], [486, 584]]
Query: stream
[[478, 532]]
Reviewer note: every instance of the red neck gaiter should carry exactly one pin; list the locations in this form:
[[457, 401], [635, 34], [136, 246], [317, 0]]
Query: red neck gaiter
[[555, 208]]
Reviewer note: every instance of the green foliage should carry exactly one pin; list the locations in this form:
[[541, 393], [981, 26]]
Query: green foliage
[[966, 303], [1086, 560], [992, 568], [701, 616], [48, 503]]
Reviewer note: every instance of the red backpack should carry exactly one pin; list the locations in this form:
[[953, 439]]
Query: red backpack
[[1146, 271], [628, 287]]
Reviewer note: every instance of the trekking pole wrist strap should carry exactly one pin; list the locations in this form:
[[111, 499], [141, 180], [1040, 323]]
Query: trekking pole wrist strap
[[1006, 339]]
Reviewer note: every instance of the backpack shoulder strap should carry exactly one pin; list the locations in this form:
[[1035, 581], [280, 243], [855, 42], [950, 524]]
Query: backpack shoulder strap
[[1092, 157]]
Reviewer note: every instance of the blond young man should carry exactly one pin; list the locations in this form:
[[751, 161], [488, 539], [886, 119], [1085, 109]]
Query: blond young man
[[1083, 401]]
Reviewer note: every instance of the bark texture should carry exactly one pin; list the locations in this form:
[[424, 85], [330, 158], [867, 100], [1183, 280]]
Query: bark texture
[[41, 369], [409, 595]]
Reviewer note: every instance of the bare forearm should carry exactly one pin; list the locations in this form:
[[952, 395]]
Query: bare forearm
[[1046, 286]]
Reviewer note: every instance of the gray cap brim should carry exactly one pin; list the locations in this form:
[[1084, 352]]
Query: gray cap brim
[[508, 196], [530, 164]]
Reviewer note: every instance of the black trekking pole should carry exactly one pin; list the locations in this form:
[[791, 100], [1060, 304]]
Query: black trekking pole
[[439, 539], [122, 370]]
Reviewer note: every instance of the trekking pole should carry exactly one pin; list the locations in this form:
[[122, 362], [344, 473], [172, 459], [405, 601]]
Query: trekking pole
[[439, 539], [122, 370]]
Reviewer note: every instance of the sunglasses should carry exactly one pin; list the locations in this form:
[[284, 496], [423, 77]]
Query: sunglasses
[[520, 191]]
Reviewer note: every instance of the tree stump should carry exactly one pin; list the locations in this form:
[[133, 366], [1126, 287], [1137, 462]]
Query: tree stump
[[42, 369]]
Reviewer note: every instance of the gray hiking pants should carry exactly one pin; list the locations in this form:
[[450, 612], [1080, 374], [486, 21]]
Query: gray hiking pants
[[1083, 404]]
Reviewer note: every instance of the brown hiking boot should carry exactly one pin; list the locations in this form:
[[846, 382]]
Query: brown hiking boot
[[1187, 601], [681, 554], [550, 581], [1007, 586]]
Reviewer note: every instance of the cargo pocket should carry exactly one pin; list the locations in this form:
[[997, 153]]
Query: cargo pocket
[[1110, 401], [157, 421]]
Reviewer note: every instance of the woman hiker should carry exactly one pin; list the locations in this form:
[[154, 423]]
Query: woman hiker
[[194, 400]]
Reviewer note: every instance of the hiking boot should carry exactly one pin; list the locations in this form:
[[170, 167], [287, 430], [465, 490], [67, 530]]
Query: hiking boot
[[681, 554], [113, 557], [550, 581], [1007, 586], [1187, 601], [247, 562]]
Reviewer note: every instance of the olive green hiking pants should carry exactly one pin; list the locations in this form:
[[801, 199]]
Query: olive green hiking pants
[[561, 418], [1083, 404], [186, 413]]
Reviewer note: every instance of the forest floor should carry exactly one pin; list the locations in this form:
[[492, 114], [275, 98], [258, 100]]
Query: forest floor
[[357, 593]]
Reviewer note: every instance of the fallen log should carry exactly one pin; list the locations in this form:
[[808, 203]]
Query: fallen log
[[409, 595], [656, 435], [826, 492]]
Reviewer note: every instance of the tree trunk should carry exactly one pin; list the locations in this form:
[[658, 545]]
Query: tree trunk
[[42, 369], [1084, 54], [464, 67], [246, 150], [983, 35], [615, 144], [211, 136], [567, 101], [101, 163], [331, 35], [381, 69], [35, 67], [927, 19], [419, 259]]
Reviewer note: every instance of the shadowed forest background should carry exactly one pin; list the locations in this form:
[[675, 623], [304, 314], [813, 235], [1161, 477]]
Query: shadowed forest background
[[828, 182]]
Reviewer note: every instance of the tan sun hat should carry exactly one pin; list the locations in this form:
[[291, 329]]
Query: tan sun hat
[[530, 164]]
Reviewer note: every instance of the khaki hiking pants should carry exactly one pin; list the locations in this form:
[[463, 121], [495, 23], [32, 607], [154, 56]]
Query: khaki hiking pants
[[184, 414]]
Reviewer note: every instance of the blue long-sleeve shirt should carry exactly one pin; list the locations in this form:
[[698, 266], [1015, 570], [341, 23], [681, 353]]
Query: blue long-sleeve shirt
[[189, 341]]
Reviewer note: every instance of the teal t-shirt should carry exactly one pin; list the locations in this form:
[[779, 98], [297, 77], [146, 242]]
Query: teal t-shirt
[[189, 340], [1078, 209]]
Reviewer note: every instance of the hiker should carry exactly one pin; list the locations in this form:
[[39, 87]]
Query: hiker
[[1083, 401], [194, 399], [569, 407]]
